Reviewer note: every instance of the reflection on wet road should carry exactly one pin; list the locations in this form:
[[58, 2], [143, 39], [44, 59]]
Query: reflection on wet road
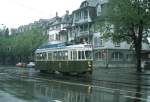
[[38, 88]]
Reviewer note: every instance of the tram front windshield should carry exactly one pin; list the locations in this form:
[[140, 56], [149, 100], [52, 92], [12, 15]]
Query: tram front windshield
[[82, 55], [88, 54]]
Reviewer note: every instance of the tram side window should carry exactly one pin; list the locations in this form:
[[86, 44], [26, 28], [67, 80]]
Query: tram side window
[[50, 56], [44, 56], [65, 55], [55, 55], [81, 55], [58, 56], [71, 55], [74, 55], [62, 55], [41, 56], [37, 56]]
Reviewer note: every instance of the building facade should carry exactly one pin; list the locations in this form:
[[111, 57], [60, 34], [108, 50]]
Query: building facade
[[83, 26], [59, 28]]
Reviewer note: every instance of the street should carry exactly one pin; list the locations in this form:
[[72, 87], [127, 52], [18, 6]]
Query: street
[[28, 85]]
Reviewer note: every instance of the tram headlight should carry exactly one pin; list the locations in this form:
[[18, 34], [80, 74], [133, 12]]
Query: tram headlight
[[89, 65], [89, 69]]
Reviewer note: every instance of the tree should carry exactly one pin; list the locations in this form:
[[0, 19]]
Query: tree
[[131, 22], [25, 44], [6, 32], [20, 47]]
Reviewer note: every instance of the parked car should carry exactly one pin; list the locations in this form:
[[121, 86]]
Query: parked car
[[31, 65], [19, 64], [24, 65]]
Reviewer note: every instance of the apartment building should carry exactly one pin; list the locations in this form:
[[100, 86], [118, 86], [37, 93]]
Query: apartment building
[[59, 28], [85, 28]]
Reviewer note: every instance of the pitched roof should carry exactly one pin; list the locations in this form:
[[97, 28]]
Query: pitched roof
[[93, 2]]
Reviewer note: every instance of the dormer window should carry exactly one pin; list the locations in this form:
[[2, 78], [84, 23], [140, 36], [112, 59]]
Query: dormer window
[[116, 44], [99, 10], [84, 4]]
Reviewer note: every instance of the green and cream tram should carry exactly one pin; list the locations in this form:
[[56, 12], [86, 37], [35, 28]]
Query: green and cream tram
[[65, 59]]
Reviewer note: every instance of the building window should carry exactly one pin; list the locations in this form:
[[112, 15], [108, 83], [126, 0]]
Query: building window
[[117, 56], [130, 57], [98, 42], [85, 14], [116, 44], [99, 56], [101, 42], [99, 10]]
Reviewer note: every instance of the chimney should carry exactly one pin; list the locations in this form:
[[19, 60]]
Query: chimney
[[67, 12], [56, 14]]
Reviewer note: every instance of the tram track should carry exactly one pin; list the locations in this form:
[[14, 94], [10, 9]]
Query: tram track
[[81, 81], [83, 78], [122, 92]]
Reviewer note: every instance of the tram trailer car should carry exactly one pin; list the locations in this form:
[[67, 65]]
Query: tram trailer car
[[72, 59]]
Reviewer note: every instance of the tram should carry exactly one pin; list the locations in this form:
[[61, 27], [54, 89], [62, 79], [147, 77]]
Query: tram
[[67, 59]]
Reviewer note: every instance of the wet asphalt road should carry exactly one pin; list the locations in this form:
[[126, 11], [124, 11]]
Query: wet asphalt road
[[28, 85]]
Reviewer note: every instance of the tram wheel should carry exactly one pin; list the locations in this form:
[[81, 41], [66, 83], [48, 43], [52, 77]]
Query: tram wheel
[[65, 73], [51, 71], [88, 74], [43, 71]]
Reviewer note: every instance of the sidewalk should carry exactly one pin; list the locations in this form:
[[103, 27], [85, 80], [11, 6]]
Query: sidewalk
[[121, 75]]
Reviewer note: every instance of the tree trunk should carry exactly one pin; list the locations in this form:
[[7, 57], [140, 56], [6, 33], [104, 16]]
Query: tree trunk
[[138, 60], [137, 38], [139, 46]]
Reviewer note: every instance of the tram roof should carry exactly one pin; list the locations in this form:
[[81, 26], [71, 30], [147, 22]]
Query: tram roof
[[62, 46], [79, 46], [52, 45]]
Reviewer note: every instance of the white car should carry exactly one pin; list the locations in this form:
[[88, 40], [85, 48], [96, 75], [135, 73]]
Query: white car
[[31, 65]]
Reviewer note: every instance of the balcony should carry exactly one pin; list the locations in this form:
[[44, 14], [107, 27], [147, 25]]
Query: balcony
[[82, 33], [104, 1], [82, 20]]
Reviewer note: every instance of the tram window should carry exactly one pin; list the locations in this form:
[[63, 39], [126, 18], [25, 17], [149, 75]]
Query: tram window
[[44, 55], [81, 55], [71, 55], [38, 57], [54, 55], [49, 56], [88, 54], [59, 55], [41, 56], [66, 55], [74, 55], [62, 57]]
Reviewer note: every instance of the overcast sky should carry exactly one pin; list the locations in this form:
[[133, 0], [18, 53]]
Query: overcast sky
[[21, 12]]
